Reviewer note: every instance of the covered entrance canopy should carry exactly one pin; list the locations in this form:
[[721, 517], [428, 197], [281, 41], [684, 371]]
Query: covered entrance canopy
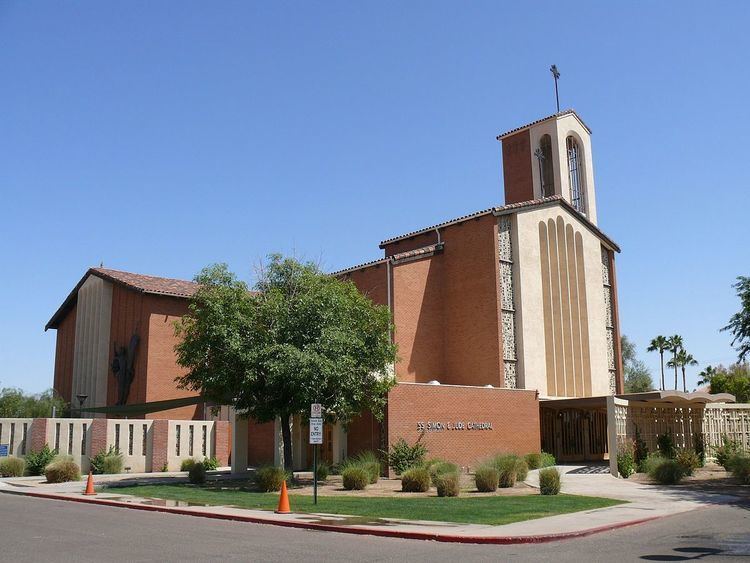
[[576, 429]]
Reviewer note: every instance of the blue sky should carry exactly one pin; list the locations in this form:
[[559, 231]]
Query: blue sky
[[161, 137]]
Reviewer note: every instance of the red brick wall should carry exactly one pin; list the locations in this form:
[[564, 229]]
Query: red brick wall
[[222, 441], [363, 433], [161, 313], [517, 172], [66, 337], [419, 319], [128, 318], [98, 435], [470, 301], [411, 243], [160, 443], [260, 443], [38, 435], [514, 415], [371, 281]]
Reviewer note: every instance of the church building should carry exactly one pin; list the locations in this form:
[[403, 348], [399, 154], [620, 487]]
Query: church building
[[499, 315]]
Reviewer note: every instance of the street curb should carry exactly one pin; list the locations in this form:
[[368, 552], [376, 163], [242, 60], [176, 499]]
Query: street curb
[[496, 540]]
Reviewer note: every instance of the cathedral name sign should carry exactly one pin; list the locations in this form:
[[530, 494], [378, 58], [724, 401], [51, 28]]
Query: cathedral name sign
[[433, 426]]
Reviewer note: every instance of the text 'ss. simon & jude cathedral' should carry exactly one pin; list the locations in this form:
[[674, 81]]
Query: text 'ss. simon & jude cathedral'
[[505, 319]]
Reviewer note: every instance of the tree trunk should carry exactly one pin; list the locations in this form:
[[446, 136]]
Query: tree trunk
[[661, 353], [674, 359], [286, 439], [684, 383]]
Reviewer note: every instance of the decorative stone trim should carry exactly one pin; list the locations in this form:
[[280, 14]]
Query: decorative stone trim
[[609, 326], [508, 315]]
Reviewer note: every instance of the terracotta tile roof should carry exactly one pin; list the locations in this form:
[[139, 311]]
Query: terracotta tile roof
[[148, 284], [554, 115], [137, 282], [428, 250], [359, 266]]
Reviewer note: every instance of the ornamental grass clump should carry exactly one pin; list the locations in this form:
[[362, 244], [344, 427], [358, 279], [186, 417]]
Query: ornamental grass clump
[[188, 464], [652, 460], [486, 478], [511, 468], [667, 472], [62, 470], [441, 468], [415, 480], [533, 460], [269, 478], [323, 471], [355, 478], [549, 481], [371, 463], [448, 484], [12, 467], [727, 450], [109, 462]]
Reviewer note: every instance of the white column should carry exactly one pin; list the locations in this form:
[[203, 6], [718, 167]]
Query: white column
[[239, 442], [612, 435]]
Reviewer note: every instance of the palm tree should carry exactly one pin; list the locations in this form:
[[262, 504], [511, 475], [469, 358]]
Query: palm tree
[[674, 345], [706, 375], [684, 360], [660, 344]]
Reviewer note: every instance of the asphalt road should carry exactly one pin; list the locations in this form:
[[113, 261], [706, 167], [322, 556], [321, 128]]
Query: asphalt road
[[49, 530]]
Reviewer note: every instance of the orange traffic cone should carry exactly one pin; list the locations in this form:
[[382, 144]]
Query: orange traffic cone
[[90, 485], [283, 500]]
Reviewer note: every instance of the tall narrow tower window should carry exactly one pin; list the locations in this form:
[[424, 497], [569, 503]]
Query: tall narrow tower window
[[545, 166], [575, 175]]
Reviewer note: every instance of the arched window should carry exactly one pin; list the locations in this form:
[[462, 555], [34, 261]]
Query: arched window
[[546, 173], [575, 175]]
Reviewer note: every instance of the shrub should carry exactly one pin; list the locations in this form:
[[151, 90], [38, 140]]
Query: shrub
[[402, 456], [448, 484], [188, 464], [533, 460], [486, 478], [211, 464], [549, 481], [62, 470], [37, 462], [626, 462], [269, 478], [665, 444], [108, 461], [700, 447], [441, 468], [355, 477], [12, 467], [640, 449], [689, 460], [511, 468], [415, 480], [667, 472], [197, 474], [727, 450], [323, 471], [547, 460], [740, 465], [370, 462], [651, 461]]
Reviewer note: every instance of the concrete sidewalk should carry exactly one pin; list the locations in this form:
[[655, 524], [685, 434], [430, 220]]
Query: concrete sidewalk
[[645, 502]]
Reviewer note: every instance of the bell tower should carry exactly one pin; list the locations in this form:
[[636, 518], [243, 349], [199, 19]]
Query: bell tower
[[550, 157]]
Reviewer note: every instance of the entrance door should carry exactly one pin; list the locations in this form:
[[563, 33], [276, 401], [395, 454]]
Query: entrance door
[[575, 435]]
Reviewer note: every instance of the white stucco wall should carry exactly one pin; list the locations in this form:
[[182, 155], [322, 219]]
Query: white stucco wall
[[529, 308]]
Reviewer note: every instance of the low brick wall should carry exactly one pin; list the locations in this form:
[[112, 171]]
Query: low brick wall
[[464, 424]]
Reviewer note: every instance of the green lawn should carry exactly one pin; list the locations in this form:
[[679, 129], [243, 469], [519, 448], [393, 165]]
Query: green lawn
[[477, 510]]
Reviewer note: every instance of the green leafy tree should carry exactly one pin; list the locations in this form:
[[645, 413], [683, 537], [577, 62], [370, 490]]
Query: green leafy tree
[[675, 344], [637, 375], [14, 403], [660, 344], [302, 337], [681, 360], [739, 324], [734, 379]]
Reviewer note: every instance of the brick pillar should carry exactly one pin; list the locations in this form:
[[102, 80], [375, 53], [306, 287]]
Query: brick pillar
[[98, 436], [38, 434], [221, 442], [159, 445]]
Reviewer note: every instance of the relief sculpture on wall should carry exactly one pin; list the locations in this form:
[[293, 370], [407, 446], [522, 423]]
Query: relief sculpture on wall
[[123, 368]]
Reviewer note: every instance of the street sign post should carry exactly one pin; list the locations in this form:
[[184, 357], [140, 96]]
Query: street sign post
[[316, 438]]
